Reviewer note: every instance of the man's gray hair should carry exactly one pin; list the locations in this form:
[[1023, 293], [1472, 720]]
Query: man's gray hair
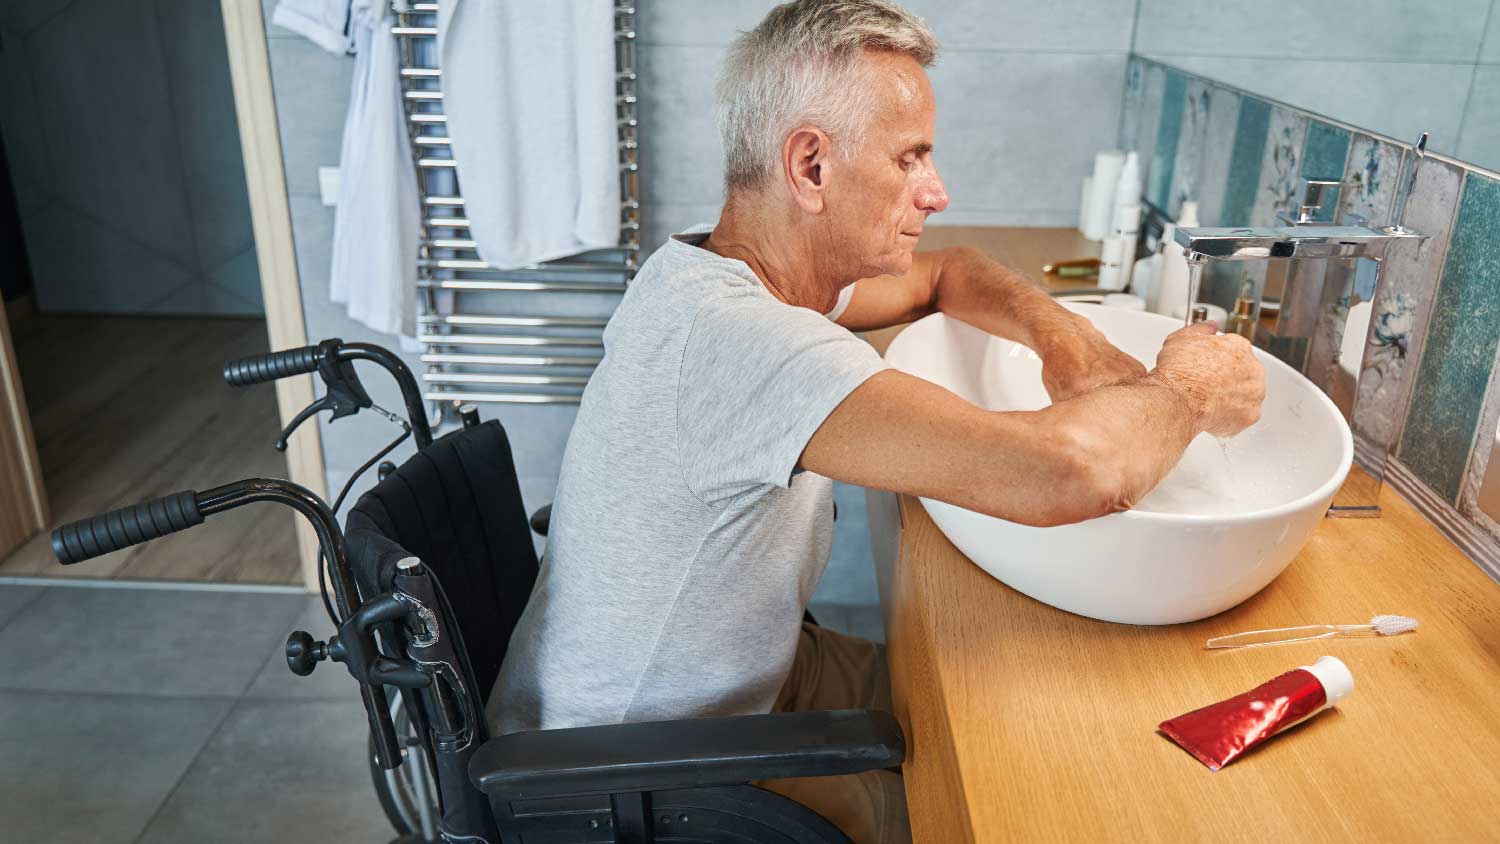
[[805, 64]]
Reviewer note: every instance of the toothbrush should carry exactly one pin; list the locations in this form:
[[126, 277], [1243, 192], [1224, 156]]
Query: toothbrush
[[1384, 625]]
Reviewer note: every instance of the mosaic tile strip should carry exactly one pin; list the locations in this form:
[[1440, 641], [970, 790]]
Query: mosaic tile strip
[[1252, 126], [1169, 128]]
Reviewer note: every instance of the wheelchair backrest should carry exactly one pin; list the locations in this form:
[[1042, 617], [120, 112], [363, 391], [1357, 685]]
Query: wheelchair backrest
[[456, 505]]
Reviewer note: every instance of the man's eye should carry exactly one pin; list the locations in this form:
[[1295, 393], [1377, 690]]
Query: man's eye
[[906, 162]]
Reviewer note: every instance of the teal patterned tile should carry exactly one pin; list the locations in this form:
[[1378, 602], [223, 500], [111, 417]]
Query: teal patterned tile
[[1192, 144], [1324, 154], [1134, 103], [1280, 166], [1142, 137], [1218, 152], [1462, 339], [1169, 128], [1408, 285], [1370, 180], [1251, 127]]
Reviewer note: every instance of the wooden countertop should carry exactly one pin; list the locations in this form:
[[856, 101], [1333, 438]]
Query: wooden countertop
[[1027, 723]]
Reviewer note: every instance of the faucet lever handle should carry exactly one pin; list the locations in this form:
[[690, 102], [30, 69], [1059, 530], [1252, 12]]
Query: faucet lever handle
[[1316, 192], [1406, 182]]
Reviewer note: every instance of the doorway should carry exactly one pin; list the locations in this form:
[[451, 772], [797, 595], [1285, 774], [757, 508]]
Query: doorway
[[132, 275]]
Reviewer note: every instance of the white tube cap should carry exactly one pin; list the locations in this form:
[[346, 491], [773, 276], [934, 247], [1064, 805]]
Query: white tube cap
[[1334, 676]]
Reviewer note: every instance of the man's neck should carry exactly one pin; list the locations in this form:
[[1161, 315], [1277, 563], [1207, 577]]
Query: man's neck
[[785, 261]]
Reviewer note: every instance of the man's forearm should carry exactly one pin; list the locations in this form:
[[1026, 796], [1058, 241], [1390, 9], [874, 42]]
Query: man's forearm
[[987, 295]]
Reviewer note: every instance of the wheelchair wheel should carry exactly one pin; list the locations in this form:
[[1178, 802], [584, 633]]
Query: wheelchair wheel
[[406, 794]]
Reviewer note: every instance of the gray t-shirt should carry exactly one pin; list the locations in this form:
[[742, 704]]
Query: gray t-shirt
[[683, 547]]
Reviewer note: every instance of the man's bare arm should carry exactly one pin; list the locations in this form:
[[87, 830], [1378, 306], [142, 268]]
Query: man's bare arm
[[1095, 454], [965, 284]]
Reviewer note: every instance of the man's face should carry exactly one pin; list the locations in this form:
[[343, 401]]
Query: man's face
[[891, 184]]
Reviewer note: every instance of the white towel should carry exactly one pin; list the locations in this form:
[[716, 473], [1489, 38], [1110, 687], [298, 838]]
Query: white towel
[[323, 22], [375, 229], [529, 92]]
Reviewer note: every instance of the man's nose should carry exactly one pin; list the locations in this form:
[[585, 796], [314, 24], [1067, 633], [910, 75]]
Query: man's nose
[[931, 196]]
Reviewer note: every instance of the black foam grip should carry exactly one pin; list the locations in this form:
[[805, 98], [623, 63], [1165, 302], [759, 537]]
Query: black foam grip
[[127, 526], [258, 369]]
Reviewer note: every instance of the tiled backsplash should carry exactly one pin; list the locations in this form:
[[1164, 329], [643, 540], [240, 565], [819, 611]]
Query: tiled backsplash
[[1429, 384]]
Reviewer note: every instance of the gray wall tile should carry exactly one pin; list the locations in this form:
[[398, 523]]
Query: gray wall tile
[[1044, 160], [202, 101], [311, 87], [1490, 52], [682, 161], [1071, 25], [1385, 30], [1399, 99], [82, 266], [1062, 26], [81, 769], [98, 73], [1480, 141]]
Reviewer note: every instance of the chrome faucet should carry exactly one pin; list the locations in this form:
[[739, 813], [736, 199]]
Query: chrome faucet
[[1302, 235], [1305, 237]]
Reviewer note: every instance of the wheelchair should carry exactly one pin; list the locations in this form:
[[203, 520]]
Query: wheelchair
[[429, 576]]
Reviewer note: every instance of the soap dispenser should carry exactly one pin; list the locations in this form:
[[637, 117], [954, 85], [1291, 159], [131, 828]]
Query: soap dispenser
[[1172, 289]]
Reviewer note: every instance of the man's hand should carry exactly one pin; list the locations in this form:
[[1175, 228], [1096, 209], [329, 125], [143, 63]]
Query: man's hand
[[1080, 359], [1217, 373]]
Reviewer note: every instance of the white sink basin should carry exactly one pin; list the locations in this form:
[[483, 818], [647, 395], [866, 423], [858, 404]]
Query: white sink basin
[[1218, 528]]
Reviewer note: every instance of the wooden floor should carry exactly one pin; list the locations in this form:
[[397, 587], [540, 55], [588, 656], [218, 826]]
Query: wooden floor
[[128, 408]]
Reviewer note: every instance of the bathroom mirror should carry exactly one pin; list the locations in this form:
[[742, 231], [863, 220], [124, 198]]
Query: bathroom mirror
[[1393, 68]]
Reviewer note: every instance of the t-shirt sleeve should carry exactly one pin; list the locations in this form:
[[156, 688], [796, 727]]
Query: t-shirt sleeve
[[758, 377]]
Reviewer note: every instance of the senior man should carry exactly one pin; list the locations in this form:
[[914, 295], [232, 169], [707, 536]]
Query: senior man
[[693, 516]]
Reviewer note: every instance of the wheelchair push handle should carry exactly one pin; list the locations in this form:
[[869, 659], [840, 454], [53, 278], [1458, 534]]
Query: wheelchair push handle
[[258, 369], [98, 535]]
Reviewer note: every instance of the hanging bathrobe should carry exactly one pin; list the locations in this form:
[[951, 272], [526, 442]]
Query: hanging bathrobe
[[529, 90], [375, 229]]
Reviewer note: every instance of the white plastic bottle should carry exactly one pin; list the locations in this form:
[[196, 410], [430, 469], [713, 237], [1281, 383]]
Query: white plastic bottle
[[1117, 256], [1101, 204], [1172, 289]]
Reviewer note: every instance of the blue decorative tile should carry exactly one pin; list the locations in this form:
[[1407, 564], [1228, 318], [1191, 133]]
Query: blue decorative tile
[[1250, 132], [1323, 156], [1164, 156], [1134, 103], [1400, 313], [1280, 166], [1461, 343], [1187, 168], [1218, 153], [1370, 181], [1143, 138]]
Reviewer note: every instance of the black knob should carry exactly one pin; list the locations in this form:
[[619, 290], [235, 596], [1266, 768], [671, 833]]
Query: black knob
[[303, 653], [385, 468]]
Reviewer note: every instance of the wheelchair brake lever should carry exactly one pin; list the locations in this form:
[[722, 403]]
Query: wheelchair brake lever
[[344, 395]]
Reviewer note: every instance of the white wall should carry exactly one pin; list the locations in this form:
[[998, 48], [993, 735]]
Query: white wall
[[1391, 66], [1027, 92]]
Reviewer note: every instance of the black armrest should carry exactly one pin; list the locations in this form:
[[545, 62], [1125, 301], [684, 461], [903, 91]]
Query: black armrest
[[542, 519], [686, 754]]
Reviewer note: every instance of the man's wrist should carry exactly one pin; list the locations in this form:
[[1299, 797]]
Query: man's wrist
[[1192, 400]]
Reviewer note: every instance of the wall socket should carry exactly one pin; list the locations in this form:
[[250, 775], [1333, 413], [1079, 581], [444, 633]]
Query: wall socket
[[328, 185]]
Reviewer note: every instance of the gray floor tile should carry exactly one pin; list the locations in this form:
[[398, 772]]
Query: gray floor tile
[[13, 599], [278, 771], [139, 641], [329, 681], [85, 768]]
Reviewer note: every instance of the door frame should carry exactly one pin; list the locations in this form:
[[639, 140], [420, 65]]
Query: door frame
[[20, 470], [271, 219]]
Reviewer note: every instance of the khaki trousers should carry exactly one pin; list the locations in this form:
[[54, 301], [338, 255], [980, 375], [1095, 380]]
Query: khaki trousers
[[834, 671]]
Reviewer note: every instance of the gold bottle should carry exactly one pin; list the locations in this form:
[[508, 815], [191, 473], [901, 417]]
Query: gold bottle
[[1242, 320]]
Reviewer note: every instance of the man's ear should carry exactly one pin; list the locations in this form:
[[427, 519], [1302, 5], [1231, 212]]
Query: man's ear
[[804, 160]]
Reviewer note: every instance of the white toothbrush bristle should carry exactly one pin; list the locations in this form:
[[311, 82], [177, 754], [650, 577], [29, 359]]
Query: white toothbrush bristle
[[1390, 625]]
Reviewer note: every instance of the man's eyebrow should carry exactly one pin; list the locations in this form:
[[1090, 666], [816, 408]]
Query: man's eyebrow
[[920, 149]]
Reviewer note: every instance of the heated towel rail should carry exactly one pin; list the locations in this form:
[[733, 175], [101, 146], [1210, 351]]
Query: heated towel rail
[[531, 335]]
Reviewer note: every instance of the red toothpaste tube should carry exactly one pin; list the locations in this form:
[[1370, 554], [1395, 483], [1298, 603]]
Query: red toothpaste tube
[[1221, 733]]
